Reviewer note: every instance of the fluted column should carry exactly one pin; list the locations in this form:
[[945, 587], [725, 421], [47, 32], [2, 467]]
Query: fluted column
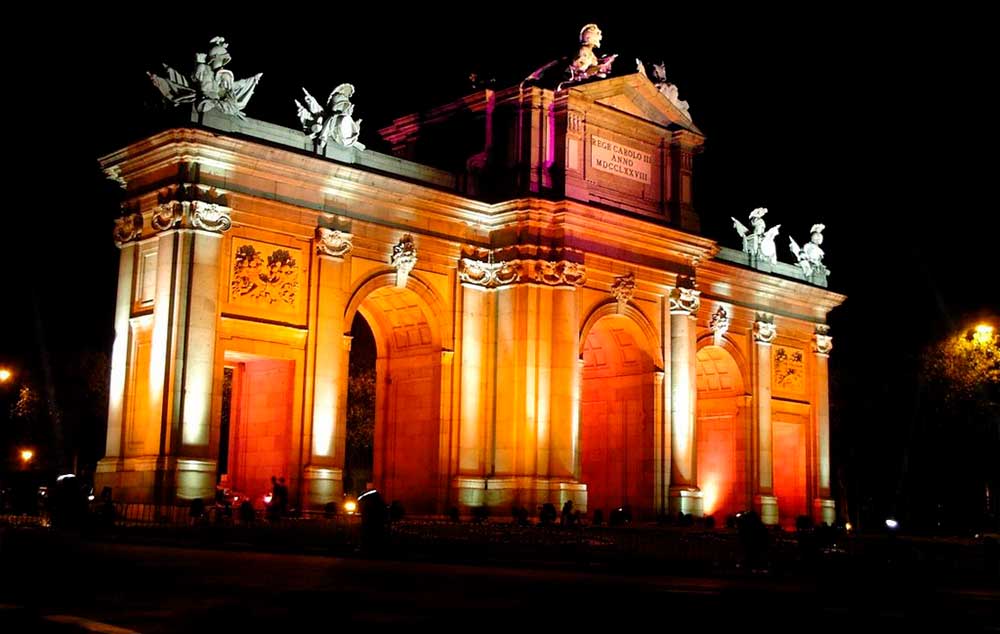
[[766, 504], [824, 509], [684, 493]]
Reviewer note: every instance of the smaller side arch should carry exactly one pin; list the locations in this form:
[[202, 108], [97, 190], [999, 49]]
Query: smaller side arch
[[610, 307], [727, 344], [432, 303]]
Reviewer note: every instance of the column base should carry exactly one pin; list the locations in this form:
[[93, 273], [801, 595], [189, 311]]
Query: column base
[[824, 511], [322, 485], [504, 492], [194, 478], [767, 508], [155, 480], [687, 500]]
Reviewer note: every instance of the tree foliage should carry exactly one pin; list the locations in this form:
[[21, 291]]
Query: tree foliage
[[361, 416], [965, 369]]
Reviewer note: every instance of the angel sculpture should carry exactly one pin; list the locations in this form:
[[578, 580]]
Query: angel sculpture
[[810, 257], [210, 86], [758, 243], [335, 121]]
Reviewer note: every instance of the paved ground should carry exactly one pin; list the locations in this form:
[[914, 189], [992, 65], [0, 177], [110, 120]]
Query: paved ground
[[162, 589]]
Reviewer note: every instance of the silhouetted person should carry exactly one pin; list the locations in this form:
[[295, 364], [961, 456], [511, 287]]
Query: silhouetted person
[[547, 515], [373, 521], [567, 513]]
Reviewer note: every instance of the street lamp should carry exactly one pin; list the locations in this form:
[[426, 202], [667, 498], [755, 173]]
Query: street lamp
[[27, 455], [983, 334], [5, 375]]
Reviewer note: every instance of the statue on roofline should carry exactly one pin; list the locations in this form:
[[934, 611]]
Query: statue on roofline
[[810, 257], [585, 64], [335, 121], [210, 86], [758, 243]]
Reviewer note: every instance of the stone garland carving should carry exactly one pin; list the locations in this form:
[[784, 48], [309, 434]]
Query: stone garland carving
[[764, 330], [719, 324], [275, 279], [403, 259], [127, 228], [623, 290], [684, 301], [333, 242], [822, 341]]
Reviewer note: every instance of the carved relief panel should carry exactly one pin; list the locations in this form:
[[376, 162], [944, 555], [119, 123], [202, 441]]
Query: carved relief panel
[[789, 370], [268, 280]]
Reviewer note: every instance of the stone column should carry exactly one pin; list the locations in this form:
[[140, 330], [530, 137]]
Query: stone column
[[182, 356], [323, 474], [127, 229], [684, 493], [824, 509], [765, 503]]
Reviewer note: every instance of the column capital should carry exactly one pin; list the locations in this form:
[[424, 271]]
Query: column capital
[[492, 268], [684, 301], [764, 330], [822, 342], [191, 214], [127, 228]]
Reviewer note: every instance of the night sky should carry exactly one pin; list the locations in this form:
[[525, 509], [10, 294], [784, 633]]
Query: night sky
[[875, 125]]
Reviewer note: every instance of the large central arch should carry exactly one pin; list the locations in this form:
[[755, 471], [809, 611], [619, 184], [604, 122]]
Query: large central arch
[[407, 439], [618, 413]]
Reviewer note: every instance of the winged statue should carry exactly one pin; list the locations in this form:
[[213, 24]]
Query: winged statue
[[334, 121]]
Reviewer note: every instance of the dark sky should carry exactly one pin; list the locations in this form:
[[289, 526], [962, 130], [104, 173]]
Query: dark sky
[[877, 125]]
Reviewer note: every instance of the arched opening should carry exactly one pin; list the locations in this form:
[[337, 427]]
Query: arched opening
[[407, 364], [256, 424], [722, 434], [359, 446], [617, 417]]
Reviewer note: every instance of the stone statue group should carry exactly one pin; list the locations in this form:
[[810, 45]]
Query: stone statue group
[[758, 243], [211, 86]]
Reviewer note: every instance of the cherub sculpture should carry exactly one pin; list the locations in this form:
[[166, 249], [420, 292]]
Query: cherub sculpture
[[758, 243], [335, 121], [810, 257], [210, 86]]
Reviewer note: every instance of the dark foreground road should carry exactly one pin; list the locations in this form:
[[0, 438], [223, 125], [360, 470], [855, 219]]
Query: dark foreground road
[[161, 589]]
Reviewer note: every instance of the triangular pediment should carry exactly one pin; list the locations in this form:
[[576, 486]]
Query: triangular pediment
[[636, 95]]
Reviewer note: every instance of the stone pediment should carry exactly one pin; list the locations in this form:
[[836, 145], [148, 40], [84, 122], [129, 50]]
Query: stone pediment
[[636, 95]]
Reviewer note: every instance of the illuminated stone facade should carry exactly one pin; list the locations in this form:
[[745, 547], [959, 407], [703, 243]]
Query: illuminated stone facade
[[549, 323]]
